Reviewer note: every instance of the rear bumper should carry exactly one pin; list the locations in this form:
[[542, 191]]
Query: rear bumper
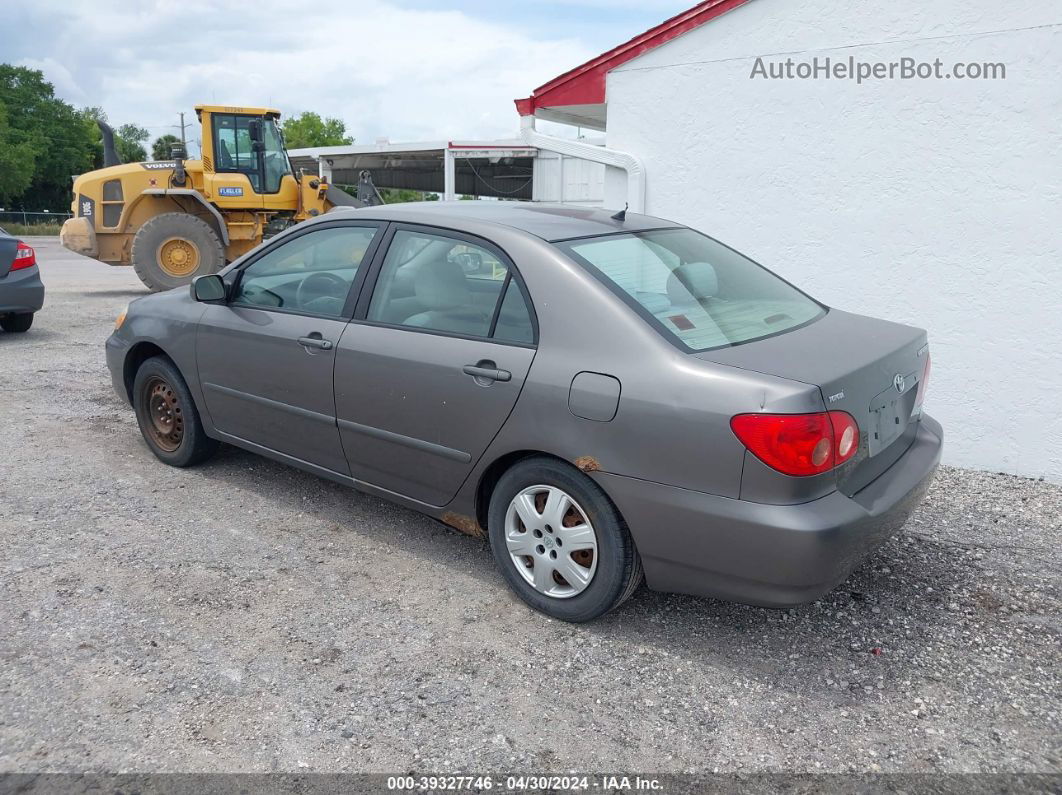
[[21, 291], [770, 555]]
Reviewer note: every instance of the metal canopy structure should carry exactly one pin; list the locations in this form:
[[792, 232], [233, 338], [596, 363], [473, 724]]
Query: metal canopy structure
[[496, 169]]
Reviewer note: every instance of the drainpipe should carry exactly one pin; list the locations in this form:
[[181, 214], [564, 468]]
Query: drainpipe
[[596, 154], [449, 175]]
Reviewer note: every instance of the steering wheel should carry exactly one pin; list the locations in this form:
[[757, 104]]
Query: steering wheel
[[320, 285]]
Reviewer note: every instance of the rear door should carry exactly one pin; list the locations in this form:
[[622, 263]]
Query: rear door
[[266, 357], [433, 363]]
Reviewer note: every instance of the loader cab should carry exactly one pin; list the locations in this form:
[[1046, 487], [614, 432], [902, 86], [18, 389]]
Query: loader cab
[[245, 164]]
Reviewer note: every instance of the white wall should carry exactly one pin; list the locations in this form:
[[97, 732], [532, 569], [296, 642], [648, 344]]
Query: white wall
[[932, 202]]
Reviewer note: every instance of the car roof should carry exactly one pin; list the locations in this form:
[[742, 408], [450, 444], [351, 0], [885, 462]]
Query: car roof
[[551, 222]]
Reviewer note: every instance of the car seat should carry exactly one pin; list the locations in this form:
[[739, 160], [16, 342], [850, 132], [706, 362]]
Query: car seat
[[442, 289]]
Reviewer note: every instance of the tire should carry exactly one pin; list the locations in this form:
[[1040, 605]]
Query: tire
[[613, 568], [17, 324], [172, 249], [159, 388]]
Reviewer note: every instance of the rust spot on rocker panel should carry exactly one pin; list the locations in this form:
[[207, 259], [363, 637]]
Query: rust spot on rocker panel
[[587, 463], [464, 524]]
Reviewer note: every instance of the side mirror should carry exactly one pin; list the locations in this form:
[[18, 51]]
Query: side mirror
[[209, 289], [254, 129]]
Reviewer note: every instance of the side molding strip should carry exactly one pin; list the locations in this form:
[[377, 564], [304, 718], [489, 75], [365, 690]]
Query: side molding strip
[[377, 433], [273, 404], [407, 441]]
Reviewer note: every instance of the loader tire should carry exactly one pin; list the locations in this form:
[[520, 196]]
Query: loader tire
[[172, 249]]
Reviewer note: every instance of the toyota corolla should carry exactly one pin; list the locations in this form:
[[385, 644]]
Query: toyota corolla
[[605, 397]]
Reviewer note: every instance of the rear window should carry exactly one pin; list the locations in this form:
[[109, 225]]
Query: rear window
[[693, 288]]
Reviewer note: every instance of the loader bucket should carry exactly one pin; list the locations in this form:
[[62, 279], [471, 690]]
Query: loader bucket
[[340, 198]]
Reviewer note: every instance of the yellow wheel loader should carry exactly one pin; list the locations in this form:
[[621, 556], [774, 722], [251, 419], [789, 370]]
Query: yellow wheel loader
[[177, 219]]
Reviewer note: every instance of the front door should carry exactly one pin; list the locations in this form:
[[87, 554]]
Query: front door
[[266, 357], [426, 379], [236, 181]]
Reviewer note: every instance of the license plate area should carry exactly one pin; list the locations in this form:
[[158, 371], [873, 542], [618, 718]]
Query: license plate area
[[890, 412]]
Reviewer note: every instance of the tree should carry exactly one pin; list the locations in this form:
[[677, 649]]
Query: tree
[[395, 195], [44, 132], [160, 150], [129, 143], [16, 161], [309, 129], [400, 195], [89, 117]]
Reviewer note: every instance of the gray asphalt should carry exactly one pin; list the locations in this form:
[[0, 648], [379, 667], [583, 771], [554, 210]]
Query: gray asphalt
[[247, 616]]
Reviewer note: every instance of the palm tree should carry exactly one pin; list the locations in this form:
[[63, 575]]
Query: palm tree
[[160, 150]]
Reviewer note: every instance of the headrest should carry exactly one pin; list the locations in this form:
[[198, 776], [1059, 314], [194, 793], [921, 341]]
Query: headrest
[[692, 282], [441, 285]]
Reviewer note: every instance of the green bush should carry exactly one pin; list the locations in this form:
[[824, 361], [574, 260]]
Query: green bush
[[22, 230]]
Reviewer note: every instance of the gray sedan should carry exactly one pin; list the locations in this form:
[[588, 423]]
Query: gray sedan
[[21, 289], [605, 397]]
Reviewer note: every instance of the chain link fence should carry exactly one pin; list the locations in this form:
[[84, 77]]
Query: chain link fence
[[24, 222]]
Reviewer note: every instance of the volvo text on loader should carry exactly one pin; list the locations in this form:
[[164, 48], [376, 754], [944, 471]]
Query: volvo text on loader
[[177, 219]]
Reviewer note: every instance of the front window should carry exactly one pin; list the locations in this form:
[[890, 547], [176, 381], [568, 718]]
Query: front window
[[694, 288], [311, 273]]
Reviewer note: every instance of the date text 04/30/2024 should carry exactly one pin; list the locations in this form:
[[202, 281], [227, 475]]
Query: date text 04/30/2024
[[515, 783]]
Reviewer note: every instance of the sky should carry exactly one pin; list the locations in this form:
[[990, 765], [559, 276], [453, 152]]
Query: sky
[[406, 70]]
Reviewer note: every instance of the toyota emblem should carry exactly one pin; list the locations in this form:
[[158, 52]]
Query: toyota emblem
[[900, 383]]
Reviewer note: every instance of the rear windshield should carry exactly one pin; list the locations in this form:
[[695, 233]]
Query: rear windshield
[[695, 289]]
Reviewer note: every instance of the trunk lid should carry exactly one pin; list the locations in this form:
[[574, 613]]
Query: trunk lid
[[865, 366]]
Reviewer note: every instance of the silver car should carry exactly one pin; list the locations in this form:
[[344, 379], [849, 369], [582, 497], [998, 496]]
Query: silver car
[[605, 397], [21, 289]]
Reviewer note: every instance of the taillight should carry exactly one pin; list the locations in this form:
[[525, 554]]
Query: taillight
[[799, 444], [24, 257], [921, 393]]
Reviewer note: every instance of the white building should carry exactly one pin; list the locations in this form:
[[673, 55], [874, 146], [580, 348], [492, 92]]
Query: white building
[[935, 201]]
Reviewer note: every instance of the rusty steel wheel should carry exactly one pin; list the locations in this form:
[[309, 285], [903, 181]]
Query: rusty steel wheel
[[167, 415], [178, 257], [164, 414]]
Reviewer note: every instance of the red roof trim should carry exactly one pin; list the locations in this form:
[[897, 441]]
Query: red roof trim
[[585, 84]]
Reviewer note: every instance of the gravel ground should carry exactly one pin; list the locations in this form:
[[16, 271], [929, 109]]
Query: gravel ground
[[247, 616]]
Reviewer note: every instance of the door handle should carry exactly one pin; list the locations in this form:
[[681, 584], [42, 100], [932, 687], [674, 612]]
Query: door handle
[[486, 371], [315, 340]]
